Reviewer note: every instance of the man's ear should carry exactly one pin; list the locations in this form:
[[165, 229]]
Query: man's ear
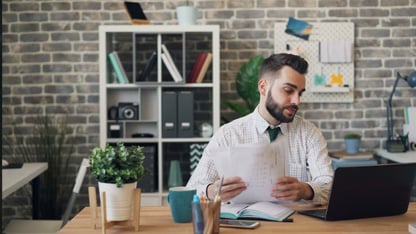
[[263, 86]]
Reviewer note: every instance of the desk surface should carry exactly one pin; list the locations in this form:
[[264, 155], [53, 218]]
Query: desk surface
[[159, 220], [405, 157], [13, 179]]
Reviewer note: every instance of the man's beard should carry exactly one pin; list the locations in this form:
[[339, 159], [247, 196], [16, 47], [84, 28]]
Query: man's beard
[[277, 111]]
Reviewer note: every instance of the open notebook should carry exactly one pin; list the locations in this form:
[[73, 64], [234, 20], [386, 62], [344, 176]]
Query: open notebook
[[368, 191]]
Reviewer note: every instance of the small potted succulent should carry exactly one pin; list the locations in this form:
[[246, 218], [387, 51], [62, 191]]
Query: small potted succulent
[[352, 143], [117, 170]]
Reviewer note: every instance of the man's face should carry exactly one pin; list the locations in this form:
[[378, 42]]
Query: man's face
[[283, 97]]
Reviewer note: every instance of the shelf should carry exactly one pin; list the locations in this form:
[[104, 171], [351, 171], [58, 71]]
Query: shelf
[[140, 43]]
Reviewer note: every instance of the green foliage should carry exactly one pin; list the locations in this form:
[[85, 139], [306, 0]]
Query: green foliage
[[50, 142], [119, 164], [352, 136], [246, 86]]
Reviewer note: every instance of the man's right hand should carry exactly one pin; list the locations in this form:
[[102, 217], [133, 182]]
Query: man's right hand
[[231, 187]]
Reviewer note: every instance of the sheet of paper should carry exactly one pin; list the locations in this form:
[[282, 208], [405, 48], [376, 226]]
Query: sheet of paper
[[258, 165]]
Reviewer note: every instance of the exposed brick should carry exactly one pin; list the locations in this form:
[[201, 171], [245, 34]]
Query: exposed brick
[[364, 3], [332, 3], [34, 37], [240, 4], [38, 58], [411, 32], [81, 5], [375, 33], [250, 14], [374, 12], [56, 68], [396, 43], [56, 6], [33, 17], [68, 36], [271, 3], [395, 3], [280, 13], [343, 13], [302, 3], [65, 16], [25, 27], [28, 6], [391, 22]]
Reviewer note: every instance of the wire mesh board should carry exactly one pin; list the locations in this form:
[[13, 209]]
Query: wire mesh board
[[326, 82]]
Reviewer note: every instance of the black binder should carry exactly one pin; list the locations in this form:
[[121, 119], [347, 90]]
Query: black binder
[[148, 182], [185, 114], [169, 114]]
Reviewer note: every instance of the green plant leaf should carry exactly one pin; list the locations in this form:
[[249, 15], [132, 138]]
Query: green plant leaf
[[246, 87]]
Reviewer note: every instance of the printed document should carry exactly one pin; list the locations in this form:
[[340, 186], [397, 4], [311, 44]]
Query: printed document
[[259, 165]]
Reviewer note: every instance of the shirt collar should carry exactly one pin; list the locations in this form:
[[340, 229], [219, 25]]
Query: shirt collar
[[262, 125]]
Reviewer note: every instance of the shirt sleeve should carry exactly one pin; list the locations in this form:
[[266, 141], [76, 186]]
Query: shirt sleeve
[[205, 173], [319, 167]]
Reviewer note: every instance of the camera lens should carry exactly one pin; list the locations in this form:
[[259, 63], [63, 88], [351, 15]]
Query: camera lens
[[128, 113]]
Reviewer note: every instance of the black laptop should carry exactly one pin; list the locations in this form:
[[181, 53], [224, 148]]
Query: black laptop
[[368, 191]]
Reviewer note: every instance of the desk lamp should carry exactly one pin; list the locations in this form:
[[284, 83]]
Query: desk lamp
[[392, 144]]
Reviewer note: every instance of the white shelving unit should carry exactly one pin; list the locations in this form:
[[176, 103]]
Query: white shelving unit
[[134, 43]]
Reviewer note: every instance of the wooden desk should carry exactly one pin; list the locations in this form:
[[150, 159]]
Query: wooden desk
[[159, 220], [13, 179]]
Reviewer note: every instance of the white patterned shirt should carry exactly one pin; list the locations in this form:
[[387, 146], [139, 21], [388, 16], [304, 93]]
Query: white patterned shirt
[[308, 158]]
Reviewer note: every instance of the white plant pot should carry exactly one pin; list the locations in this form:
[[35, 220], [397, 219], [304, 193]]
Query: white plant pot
[[118, 200], [186, 15]]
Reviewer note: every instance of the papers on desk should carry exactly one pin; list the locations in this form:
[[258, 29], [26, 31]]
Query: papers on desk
[[259, 165]]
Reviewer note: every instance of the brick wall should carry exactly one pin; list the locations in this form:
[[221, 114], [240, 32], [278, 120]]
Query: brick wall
[[50, 60]]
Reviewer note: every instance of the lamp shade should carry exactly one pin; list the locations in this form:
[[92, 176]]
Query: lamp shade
[[411, 79]]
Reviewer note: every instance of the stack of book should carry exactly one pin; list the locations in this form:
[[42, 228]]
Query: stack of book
[[200, 68]]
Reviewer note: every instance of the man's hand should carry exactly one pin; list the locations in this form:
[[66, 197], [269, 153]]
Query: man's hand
[[290, 188], [231, 187]]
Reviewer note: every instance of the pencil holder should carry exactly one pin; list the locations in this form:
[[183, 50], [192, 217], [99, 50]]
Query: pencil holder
[[211, 215]]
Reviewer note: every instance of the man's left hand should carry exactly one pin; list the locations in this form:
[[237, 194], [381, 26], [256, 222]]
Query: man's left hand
[[290, 188]]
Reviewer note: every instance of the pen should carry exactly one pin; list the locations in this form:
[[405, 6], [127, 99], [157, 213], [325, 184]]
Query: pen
[[218, 196], [198, 220]]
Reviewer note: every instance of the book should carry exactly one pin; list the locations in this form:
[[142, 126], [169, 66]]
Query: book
[[148, 68], [204, 68], [260, 210], [120, 65], [170, 64], [361, 155], [118, 68], [199, 61]]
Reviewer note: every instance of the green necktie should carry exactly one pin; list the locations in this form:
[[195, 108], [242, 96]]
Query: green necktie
[[273, 132]]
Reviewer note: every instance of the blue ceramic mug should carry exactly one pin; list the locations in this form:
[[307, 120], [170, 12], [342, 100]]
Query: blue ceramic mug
[[180, 202]]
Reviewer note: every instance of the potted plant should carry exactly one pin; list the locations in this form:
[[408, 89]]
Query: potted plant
[[49, 140], [187, 14], [246, 86], [352, 143], [117, 170]]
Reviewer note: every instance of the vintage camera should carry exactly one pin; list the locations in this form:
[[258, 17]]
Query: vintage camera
[[128, 111]]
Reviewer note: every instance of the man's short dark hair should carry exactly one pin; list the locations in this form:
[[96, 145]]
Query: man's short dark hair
[[276, 61]]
